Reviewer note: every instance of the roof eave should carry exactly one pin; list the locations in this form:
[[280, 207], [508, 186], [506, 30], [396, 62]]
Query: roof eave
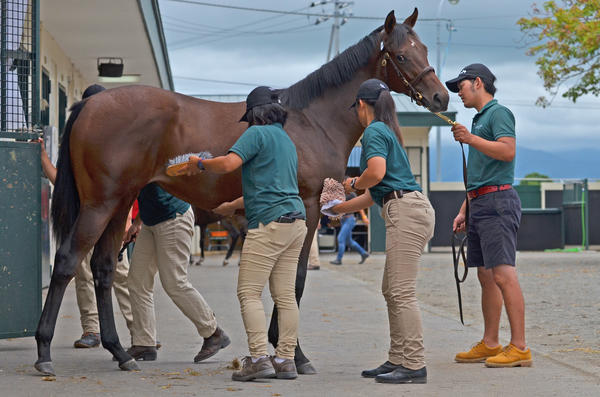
[[154, 29]]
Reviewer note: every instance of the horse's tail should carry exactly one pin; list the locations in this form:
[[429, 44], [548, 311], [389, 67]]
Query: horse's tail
[[65, 199]]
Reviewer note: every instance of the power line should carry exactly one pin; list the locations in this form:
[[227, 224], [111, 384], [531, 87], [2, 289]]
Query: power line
[[216, 81], [179, 44], [308, 14]]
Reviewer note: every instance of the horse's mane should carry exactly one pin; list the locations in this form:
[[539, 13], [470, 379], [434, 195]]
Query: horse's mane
[[332, 74]]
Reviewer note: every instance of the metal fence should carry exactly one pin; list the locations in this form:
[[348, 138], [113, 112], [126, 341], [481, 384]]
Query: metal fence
[[19, 68]]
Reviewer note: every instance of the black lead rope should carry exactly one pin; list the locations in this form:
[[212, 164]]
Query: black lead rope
[[459, 253], [122, 250]]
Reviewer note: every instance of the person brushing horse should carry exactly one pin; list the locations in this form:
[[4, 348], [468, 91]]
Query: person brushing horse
[[276, 231]]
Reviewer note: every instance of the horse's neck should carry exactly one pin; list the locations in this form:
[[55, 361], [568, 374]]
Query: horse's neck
[[339, 124]]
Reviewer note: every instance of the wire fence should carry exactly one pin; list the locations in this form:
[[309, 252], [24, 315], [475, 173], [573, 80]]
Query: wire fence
[[18, 66]]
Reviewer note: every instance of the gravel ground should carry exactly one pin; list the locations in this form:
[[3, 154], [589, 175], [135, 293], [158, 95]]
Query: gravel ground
[[561, 290]]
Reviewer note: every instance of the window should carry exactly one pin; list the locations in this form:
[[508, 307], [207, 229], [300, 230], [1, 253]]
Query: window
[[415, 154]]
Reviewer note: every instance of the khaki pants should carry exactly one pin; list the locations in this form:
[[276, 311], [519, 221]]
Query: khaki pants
[[313, 255], [165, 248], [270, 253], [86, 295], [409, 223]]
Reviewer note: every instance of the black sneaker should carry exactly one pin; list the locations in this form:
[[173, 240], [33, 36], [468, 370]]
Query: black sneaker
[[403, 375], [336, 262], [363, 258], [382, 369], [87, 340]]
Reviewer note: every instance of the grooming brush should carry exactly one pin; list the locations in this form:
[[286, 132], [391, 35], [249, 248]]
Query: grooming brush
[[176, 164], [333, 194]]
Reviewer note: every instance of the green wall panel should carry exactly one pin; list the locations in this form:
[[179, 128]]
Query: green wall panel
[[20, 239]]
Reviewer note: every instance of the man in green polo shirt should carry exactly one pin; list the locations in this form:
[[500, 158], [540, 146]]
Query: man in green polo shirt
[[276, 231], [495, 215]]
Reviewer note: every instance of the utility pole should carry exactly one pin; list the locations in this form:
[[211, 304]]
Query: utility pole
[[438, 70], [340, 17]]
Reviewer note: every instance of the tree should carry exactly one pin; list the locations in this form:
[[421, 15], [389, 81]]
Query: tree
[[567, 43], [536, 175]]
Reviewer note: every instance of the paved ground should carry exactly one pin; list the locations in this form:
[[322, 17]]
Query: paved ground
[[344, 330]]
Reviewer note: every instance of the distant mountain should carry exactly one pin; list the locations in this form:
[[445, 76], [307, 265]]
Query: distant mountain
[[579, 163]]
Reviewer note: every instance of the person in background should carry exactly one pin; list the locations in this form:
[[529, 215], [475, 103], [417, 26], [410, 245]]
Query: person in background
[[495, 215], [276, 231], [163, 233], [314, 263], [409, 218], [348, 222]]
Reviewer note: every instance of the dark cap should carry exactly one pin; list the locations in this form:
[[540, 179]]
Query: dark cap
[[259, 96], [91, 90], [470, 72], [370, 90]]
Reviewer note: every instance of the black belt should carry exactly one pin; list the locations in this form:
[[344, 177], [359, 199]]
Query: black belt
[[396, 194], [290, 217]]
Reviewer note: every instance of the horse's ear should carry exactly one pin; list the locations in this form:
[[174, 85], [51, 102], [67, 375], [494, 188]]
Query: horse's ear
[[412, 20], [390, 22]]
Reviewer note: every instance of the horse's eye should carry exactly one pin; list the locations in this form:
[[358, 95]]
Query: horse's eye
[[400, 58]]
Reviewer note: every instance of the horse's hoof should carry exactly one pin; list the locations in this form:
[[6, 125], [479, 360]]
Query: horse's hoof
[[130, 365], [45, 368], [306, 369], [225, 263]]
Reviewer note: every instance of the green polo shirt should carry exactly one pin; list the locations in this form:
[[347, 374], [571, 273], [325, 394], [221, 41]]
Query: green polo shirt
[[157, 206], [269, 173], [492, 122], [379, 141]]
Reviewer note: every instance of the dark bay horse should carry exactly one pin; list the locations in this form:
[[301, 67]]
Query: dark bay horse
[[203, 218], [119, 140]]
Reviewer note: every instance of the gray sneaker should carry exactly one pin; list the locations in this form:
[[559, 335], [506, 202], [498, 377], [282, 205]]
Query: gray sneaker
[[261, 369], [285, 369]]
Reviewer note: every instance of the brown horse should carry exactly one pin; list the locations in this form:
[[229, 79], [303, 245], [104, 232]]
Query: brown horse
[[203, 218], [119, 140]]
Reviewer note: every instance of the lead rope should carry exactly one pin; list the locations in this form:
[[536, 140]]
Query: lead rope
[[458, 253]]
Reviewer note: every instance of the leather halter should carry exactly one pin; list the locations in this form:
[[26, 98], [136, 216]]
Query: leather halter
[[414, 94]]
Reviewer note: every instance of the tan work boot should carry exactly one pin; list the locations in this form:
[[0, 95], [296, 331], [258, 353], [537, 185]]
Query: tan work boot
[[285, 369], [478, 353], [511, 356], [260, 369]]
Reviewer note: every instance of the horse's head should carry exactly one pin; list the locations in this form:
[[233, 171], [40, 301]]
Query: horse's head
[[406, 69]]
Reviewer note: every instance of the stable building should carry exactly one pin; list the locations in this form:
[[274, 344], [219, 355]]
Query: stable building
[[52, 51]]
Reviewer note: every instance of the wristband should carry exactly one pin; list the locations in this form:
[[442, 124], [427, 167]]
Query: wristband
[[353, 182], [200, 165]]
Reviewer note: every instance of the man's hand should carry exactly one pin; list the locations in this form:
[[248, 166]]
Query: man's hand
[[225, 209], [461, 133], [191, 167], [459, 223], [347, 187], [132, 232]]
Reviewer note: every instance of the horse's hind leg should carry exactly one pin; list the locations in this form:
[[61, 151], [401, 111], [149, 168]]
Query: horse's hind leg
[[103, 266], [235, 235], [202, 234], [71, 252]]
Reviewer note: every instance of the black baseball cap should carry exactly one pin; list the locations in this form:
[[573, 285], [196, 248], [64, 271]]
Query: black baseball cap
[[470, 72], [370, 90], [259, 96]]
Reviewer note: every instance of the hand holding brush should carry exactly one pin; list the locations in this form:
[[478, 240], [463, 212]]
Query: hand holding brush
[[187, 164]]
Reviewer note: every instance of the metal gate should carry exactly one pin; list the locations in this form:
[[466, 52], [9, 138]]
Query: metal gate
[[20, 171]]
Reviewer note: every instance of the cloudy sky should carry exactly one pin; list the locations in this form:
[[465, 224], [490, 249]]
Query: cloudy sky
[[212, 47]]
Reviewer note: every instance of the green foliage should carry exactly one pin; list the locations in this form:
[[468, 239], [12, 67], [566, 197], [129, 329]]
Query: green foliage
[[533, 175], [566, 39]]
